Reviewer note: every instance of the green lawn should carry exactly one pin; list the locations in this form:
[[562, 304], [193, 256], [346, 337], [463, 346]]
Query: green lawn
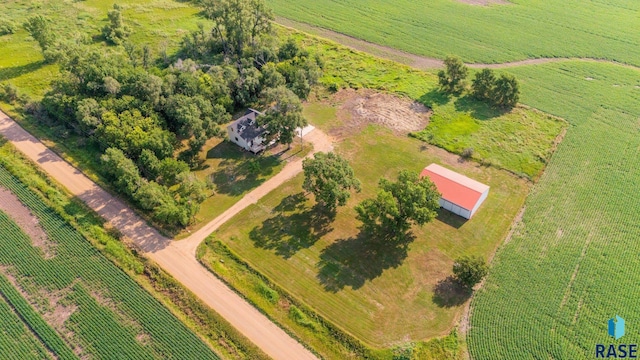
[[370, 291], [573, 262], [494, 34]]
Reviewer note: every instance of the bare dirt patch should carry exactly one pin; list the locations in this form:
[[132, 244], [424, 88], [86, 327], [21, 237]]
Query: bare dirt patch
[[22, 216], [357, 109]]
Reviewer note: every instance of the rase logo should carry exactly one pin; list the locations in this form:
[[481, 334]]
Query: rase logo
[[616, 328]]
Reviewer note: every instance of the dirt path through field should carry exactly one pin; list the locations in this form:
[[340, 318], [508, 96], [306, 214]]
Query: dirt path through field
[[417, 61], [179, 263]]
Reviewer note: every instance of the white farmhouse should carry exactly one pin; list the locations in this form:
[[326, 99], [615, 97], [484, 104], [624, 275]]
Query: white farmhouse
[[246, 133]]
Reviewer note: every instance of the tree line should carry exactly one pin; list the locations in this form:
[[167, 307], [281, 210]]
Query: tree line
[[502, 91], [150, 117]]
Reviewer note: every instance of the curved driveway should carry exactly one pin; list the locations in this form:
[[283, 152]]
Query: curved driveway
[[177, 258]]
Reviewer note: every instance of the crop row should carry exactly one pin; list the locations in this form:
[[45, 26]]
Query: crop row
[[573, 264], [139, 324], [32, 319]]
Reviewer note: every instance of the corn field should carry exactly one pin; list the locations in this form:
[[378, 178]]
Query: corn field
[[107, 313]]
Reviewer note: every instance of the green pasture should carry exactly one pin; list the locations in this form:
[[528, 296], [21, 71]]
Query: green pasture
[[521, 30]]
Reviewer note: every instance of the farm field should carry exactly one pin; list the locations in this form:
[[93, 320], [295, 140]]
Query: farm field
[[572, 262], [366, 290], [522, 29], [93, 306]]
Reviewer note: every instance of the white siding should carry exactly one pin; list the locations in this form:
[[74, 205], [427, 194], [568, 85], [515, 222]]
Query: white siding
[[480, 201]]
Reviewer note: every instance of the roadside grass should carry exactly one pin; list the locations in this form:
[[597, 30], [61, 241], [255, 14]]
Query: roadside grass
[[485, 34], [370, 291], [572, 263], [184, 305]]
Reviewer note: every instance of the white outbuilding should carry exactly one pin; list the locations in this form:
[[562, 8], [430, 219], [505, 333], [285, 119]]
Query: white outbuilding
[[460, 194]]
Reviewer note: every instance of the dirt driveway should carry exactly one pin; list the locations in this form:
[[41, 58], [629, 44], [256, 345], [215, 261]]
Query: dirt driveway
[[180, 263]]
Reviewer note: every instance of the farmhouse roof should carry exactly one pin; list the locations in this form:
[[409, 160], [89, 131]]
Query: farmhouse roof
[[454, 187], [247, 127]]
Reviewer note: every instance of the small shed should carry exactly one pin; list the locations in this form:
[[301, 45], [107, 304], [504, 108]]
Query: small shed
[[246, 133], [460, 194]]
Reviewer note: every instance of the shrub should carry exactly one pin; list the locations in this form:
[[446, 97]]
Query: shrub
[[268, 293], [7, 27], [300, 317], [9, 93], [467, 153]]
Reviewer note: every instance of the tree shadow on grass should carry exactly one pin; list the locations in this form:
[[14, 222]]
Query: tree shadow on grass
[[352, 262], [435, 97], [16, 71], [450, 293], [478, 109], [239, 172], [295, 227]]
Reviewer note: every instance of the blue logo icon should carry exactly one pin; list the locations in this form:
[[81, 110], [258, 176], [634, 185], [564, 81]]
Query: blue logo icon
[[616, 327]]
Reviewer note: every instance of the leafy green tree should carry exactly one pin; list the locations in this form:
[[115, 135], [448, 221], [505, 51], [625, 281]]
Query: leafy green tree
[[116, 31], [122, 171], [271, 78], [111, 86], [247, 86], [469, 270], [132, 132], [300, 84], [399, 204], [149, 164], [238, 23], [89, 115], [151, 195], [38, 27], [452, 78], [171, 213], [506, 92], [288, 50], [169, 170], [483, 84], [330, 178], [284, 115]]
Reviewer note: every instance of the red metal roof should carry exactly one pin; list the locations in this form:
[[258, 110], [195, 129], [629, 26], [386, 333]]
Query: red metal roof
[[455, 188]]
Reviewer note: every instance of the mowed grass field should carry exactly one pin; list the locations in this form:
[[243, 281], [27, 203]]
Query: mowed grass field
[[520, 30], [93, 305], [572, 263], [383, 295]]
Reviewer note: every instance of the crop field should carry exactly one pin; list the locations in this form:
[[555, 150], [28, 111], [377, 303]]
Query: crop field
[[94, 306], [572, 264], [17, 337], [520, 30]]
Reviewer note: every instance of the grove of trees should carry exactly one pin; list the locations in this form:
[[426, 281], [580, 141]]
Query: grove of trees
[[151, 118], [502, 92]]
